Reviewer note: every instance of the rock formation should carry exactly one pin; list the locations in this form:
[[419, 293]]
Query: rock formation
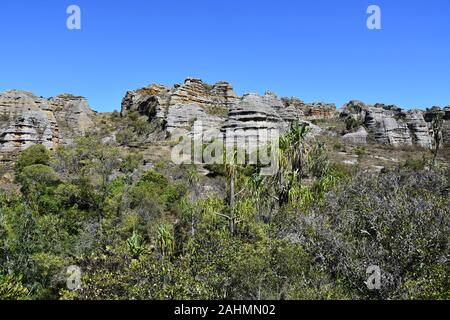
[[314, 110], [73, 115], [386, 127], [26, 120], [155, 100], [389, 124], [419, 128], [358, 137]]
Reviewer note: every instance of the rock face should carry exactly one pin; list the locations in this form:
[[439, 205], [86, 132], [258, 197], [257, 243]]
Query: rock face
[[155, 100], [151, 101], [32, 127], [253, 112], [73, 115], [216, 106], [386, 127], [389, 124], [431, 114], [181, 118], [196, 91], [314, 110], [255, 116], [419, 128], [26, 120]]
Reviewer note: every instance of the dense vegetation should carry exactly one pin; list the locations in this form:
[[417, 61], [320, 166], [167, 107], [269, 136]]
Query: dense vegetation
[[309, 232]]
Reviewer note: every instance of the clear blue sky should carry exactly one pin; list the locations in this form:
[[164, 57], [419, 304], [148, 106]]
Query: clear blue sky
[[318, 50]]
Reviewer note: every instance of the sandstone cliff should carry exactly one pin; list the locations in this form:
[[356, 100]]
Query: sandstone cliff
[[26, 119]]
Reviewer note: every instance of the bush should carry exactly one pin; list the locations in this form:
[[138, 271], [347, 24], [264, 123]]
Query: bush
[[398, 221], [37, 154], [11, 288]]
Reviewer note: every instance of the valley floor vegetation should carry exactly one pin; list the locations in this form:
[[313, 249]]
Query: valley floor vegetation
[[309, 232]]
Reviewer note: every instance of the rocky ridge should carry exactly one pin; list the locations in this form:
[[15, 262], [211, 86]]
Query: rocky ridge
[[389, 124], [26, 119]]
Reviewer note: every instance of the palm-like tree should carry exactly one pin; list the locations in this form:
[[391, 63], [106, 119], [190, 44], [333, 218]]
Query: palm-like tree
[[256, 186], [292, 152], [193, 179]]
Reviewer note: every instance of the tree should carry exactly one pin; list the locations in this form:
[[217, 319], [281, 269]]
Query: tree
[[193, 179], [292, 153], [437, 125]]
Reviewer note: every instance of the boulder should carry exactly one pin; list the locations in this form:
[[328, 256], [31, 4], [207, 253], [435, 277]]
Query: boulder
[[358, 137]]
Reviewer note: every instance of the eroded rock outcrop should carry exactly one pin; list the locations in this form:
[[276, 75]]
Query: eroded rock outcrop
[[155, 100], [182, 117], [389, 124], [26, 119], [314, 110], [73, 116], [386, 127], [420, 130], [358, 137], [257, 116]]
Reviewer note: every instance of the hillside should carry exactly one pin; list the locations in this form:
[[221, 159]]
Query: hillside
[[193, 192]]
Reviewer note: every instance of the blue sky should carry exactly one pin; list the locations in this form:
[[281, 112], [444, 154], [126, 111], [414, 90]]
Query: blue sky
[[317, 50]]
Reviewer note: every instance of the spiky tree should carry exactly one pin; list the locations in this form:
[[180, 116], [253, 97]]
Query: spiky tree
[[193, 179], [292, 153], [437, 124]]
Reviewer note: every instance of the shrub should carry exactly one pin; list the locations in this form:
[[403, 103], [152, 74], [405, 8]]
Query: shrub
[[36, 154], [398, 221], [11, 288]]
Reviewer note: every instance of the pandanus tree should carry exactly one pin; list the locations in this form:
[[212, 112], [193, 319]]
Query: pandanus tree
[[193, 178], [256, 186], [166, 243], [293, 150], [232, 169], [437, 124]]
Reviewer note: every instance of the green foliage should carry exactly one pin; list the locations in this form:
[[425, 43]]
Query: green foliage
[[135, 245], [318, 163], [309, 232], [154, 194], [360, 151], [37, 179], [34, 155], [11, 288], [398, 221], [351, 124], [166, 242]]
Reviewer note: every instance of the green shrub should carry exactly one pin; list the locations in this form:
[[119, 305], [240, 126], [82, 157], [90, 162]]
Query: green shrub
[[11, 288], [36, 154]]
